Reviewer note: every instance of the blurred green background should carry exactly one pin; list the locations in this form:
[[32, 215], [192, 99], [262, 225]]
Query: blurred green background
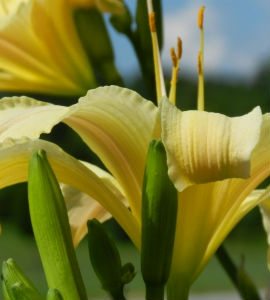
[[248, 238]]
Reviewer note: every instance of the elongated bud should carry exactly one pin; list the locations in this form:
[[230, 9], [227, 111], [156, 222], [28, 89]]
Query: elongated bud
[[159, 211], [106, 260], [51, 229], [54, 294], [15, 284]]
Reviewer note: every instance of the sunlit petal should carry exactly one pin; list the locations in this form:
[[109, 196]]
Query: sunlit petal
[[14, 157], [81, 208], [208, 212], [39, 45], [116, 123], [204, 147]]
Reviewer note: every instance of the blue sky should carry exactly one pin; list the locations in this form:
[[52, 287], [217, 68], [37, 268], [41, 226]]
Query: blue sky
[[237, 39]]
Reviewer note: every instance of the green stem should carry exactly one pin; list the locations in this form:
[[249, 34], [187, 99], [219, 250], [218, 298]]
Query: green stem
[[241, 281], [154, 292]]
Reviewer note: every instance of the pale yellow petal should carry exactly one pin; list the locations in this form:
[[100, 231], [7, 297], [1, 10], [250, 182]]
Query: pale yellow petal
[[118, 124], [208, 212], [14, 157], [204, 147], [27, 117], [8, 7], [39, 45], [81, 208]]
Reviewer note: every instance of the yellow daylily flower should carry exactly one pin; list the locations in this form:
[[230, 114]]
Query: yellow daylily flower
[[40, 50], [118, 125]]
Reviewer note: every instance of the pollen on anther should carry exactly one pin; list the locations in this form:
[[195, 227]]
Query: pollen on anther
[[179, 48], [200, 17], [152, 22]]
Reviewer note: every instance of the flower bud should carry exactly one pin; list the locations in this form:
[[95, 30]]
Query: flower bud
[[51, 228], [106, 261], [159, 211]]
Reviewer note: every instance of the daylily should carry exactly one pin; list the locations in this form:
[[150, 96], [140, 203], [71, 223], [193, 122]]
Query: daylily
[[40, 50], [118, 125], [206, 152]]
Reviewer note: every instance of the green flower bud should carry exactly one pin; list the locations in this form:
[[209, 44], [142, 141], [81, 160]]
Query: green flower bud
[[106, 260], [15, 284], [159, 212], [52, 231]]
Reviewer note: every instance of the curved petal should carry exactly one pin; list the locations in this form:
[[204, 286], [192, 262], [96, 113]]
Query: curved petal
[[39, 46], [203, 147], [118, 124], [208, 212], [14, 157], [114, 122]]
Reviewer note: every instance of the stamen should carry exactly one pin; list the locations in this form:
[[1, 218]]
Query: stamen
[[179, 48], [160, 85], [175, 62], [200, 17], [200, 101]]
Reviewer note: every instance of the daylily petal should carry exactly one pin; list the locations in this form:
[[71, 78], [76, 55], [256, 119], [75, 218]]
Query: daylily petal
[[9, 6], [14, 157], [39, 45], [203, 147], [208, 212], [116, 123], [81, 208]]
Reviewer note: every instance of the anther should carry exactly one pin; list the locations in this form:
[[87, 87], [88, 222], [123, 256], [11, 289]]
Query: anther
[[152, 22], [179, 48], [200, 17]]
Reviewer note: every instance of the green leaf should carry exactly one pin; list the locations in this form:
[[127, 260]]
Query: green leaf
[[51, 229]]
